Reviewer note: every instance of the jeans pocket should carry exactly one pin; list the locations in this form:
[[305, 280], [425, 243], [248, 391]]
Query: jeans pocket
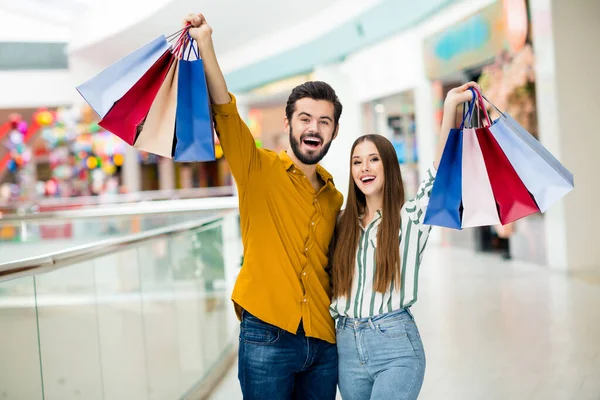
[[394, 339], [396, 330], [256, 331]]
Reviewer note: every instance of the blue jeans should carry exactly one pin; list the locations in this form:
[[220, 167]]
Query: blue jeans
[[380, 357], [275, 364]]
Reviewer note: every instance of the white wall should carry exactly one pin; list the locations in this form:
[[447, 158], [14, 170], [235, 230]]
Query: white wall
[[19, 28], [110, 17], [567, 62], [29, 89], [396, 64], [304, 31], [32, 88]]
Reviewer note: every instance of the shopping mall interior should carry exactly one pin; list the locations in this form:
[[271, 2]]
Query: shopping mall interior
[[117, 264]]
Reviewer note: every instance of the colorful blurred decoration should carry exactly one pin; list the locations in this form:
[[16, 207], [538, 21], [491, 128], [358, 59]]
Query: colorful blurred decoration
[[509, 83], [43, 117], [118, 159], [22, 127], [92, 162], [148, 158], [94, 127], [501, 26], [254, 122], [517, 24], [74, 145], [218, 151], [109, 168]]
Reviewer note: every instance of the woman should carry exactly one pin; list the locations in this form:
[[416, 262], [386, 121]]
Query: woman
[[375, 265]]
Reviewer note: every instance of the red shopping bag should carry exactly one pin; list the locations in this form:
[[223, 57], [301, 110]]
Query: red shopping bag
[[128, 113], [512, 197]]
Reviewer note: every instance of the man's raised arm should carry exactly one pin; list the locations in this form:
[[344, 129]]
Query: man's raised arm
[[239, 146]]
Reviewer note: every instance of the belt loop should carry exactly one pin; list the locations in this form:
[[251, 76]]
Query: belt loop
[[371, 323], [409, 313], [341, 322]]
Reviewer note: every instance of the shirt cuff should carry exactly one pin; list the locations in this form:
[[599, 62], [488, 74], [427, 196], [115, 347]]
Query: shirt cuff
[[226, 109], [431, 172]]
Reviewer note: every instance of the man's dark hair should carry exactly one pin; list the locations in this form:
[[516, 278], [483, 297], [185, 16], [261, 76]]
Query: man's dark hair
[[315, 90]]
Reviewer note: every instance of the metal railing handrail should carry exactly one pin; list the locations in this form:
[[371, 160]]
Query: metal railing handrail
[[55, 260], [108, 199], [129, 209]]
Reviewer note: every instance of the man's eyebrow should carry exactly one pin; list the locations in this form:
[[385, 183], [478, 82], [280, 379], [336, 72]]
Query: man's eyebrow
[[308, 115]]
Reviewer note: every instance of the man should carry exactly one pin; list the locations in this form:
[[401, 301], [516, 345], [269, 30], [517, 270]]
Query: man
[[288, 209]]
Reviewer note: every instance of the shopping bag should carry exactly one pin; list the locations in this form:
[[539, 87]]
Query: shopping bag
[[543, 175], [512, 197], [158, 131], [128, 112], [479, 206], [194, 135], [444, 208], [103, 90]]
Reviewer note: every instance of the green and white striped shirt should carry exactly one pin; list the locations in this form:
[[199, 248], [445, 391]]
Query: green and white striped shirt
[[364, 300]]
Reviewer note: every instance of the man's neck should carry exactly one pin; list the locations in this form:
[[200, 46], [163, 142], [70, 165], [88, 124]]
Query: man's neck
[[310, 171]]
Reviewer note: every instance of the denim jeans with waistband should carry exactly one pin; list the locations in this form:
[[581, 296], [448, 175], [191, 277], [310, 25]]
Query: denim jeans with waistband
[[380, 357], [274, 364]]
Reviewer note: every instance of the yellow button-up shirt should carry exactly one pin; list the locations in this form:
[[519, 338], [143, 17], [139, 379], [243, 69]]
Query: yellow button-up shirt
[[286, 229]]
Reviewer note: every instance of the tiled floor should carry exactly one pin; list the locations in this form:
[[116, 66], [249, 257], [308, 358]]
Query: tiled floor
[[499, 330]]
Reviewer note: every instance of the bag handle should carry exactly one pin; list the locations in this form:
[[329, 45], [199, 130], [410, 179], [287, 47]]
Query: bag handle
[[183, 41], [172, 35], [469, 113], [191, 42], [180, 42], [492, 104], [481, 104]]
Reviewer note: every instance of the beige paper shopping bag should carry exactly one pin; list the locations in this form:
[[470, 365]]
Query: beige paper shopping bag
[[479, 205], [158, 131]]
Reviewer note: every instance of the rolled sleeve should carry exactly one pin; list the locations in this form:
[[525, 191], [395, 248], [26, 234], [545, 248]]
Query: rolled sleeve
[[416, 207], [237, 142], [227, 109]]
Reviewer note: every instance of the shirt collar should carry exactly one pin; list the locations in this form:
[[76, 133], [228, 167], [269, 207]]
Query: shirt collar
[[378, 213], [288, 164], [375, 220]]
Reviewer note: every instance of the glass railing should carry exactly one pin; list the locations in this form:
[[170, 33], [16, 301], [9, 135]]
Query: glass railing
[[32, 235], [142, 316], [24, 239], [25, 207]]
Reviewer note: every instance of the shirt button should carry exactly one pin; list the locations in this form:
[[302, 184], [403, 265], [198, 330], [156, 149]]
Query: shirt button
[[304, 273], [312, 223], [305, 300], [306, 250]]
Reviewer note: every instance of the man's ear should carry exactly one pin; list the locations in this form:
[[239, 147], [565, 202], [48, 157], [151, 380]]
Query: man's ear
[[335, 133], [286, 125]]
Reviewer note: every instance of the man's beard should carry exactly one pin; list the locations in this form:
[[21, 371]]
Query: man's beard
[[307, 159]]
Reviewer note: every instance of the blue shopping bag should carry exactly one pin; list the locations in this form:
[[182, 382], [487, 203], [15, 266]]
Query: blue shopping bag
[[103, 90], [444, 207], [544, 176], [194, 137]]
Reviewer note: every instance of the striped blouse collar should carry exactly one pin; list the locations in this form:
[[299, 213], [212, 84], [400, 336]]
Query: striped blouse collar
[[375, 219]]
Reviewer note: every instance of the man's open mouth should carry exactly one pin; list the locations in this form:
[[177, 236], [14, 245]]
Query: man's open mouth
[[311, 142]]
